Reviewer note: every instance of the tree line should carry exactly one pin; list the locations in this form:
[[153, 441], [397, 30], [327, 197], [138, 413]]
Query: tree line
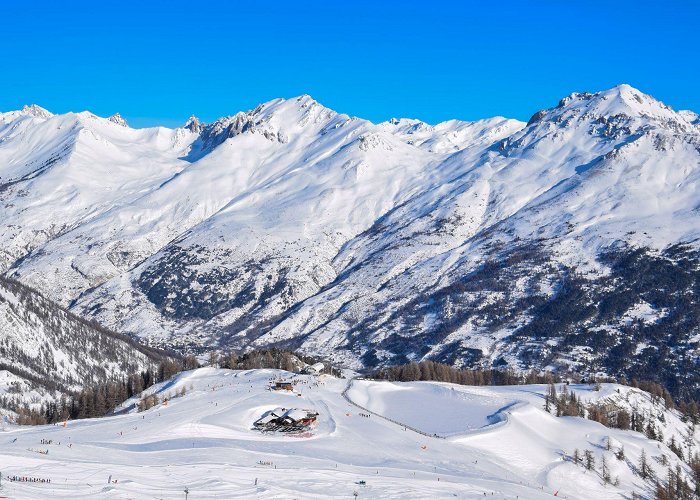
[[102, 399], [276, 359], [440, 372]]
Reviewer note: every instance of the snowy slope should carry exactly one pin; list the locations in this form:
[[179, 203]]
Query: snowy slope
[[505, 446], [61, 172], [453, 135], [46, 351], [291, 224]]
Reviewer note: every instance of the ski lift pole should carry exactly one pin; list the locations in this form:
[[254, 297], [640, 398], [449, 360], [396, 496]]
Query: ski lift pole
[[187, 492]]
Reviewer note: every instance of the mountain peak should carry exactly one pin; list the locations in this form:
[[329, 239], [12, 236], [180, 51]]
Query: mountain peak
[[118, 119], [36, 111], [305, 101], [193, 124], [622, 102], [625, 97], [292, 108], [621, 99]]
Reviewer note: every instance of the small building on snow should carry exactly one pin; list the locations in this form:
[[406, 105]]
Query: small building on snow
[[283, 385], [285, 420]]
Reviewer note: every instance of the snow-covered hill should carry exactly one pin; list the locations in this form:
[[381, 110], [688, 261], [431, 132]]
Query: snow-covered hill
[[493, 242], [496, 441], [46, 351]]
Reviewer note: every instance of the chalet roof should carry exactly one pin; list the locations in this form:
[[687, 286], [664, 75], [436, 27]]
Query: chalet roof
[[296, 414], [267, 418]]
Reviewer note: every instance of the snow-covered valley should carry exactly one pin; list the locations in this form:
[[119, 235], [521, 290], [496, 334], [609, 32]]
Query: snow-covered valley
[[493, 441]]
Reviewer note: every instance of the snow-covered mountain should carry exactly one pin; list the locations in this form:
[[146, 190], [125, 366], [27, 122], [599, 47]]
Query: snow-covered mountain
[[569, 241]]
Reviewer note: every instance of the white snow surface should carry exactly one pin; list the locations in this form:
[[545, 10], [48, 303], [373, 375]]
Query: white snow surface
[[501, 442]]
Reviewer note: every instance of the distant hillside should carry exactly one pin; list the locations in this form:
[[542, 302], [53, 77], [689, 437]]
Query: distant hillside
[[46, 351]]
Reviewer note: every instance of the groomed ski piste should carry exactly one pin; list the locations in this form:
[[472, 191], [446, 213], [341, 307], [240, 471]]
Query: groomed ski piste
[[438, 440]]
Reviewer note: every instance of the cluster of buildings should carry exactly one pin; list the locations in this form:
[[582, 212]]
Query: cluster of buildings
[[285, 420]]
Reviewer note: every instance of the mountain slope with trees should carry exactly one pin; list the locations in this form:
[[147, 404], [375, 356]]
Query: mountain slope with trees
[[47, 352]]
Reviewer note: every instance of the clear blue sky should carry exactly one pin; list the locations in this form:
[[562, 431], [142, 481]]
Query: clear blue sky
[[159, 62]]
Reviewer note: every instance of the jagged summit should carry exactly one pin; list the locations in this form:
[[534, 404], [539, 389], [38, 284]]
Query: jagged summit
[[118, 119], [295, 111], [37, 111], [277, 120], [194, 125]]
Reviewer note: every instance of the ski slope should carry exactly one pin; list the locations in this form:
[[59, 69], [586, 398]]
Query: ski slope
[[501, 443]]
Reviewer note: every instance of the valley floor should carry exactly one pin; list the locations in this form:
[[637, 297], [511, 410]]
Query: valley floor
[[492, 441]]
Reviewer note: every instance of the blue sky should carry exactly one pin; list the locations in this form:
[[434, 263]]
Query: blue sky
[[159, 62]]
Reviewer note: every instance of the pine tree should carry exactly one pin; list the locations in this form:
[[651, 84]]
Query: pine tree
[[550, 397], [623, 420], [268, 360], [695, 467], [589, 459], [644, 469], [189, 363], [604, 470], [100, 405], [229, 360], [673, 446], [651, 431]]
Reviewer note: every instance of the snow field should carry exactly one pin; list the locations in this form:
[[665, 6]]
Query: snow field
[[500, 441]]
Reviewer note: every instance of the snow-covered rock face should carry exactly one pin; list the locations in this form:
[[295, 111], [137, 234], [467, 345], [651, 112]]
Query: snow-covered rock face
[[690, 117], [292, 224], [118, 119], [36, 111], [617, 112], [194, 125]]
